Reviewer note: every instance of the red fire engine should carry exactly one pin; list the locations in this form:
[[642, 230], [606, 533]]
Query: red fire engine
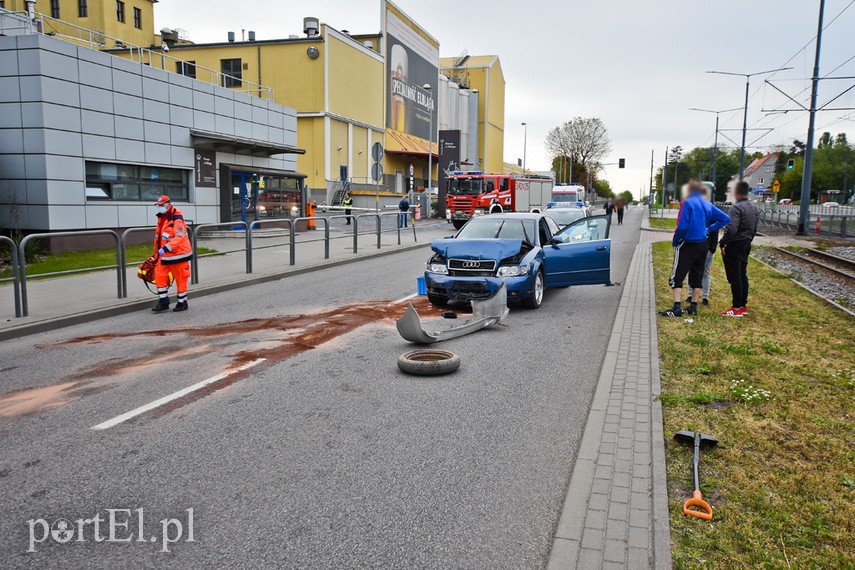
[[476, 193]]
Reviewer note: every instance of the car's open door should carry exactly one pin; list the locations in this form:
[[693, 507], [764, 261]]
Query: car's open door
[[579, 254]]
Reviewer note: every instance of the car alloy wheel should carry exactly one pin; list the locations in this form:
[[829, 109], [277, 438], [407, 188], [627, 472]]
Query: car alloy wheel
[[536, 298]]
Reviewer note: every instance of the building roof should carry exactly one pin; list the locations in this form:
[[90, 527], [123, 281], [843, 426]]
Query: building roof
[[469, 61], [758, 162]]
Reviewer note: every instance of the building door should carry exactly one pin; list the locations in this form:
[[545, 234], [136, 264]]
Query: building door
[[244, 197], [399, 182]]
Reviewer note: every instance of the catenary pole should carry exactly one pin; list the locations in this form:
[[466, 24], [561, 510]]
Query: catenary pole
[[804, 207]]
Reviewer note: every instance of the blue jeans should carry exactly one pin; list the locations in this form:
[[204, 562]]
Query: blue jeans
[[402, 219]]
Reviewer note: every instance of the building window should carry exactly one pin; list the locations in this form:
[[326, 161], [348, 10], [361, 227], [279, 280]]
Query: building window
[[82, 9], [186, 68], [232, 70], [761, 180], [768, 169], [54, 9], [120, 10], [130, 183], [138, 18], [3, 4]]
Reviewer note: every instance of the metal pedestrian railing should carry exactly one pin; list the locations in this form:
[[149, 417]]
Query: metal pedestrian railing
[[22, 263], [16, 286], [249, 232]]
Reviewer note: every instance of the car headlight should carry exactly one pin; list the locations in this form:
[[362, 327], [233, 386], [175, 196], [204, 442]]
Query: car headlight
[[513, 270], [439, 268]]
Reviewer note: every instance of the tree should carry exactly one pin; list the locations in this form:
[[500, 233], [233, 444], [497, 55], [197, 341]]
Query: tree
[[584, 139], [626, 196], [824, 140], [798, 148]]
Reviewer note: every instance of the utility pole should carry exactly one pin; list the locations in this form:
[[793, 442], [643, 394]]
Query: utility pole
[[525, 142], [664, 170], [650, 191], [804, 207]]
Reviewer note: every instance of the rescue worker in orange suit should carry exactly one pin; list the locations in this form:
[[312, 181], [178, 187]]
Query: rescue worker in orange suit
[[174, 251]]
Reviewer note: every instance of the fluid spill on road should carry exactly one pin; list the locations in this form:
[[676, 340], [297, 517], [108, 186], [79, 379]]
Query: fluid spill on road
[[286, 336]]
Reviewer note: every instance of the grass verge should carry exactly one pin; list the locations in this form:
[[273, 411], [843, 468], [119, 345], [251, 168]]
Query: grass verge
[[663, 223], [87, 259], [777, 388]]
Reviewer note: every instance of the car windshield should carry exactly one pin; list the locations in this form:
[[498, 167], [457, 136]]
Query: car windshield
[[465, 185], [498, 228], [565, 217]]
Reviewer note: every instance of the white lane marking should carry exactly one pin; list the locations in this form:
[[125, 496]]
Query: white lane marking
[[175, 395], [404, 299]]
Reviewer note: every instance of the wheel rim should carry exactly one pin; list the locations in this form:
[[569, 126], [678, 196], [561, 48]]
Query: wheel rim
[[538, 289]]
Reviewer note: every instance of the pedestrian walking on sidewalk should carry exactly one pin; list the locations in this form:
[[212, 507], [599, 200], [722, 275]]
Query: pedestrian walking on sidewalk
[[404, 209], [735, 248], [610, 208], [696, 219], [173, 252], [348, 205], [620, 207]]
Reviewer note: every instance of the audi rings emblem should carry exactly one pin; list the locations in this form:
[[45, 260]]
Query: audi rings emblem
[[471, 264]]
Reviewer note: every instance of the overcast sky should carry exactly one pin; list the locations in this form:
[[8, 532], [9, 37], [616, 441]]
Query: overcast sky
[[637, 64]]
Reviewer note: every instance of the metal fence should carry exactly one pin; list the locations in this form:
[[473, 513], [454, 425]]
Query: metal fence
[[827, 224], [19, 278]]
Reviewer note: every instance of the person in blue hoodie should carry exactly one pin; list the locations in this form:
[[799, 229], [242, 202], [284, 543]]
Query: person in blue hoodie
[[697, 218]]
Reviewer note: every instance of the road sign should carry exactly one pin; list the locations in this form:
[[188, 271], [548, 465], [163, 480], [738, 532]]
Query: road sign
[[412, 170], [377, 171], [776, 186], [760, 186], [377, 152]]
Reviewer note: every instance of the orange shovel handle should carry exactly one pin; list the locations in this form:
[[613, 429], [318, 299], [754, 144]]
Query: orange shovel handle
[[705, 510]]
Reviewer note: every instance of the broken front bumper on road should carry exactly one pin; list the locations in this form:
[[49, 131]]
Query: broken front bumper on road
[[485, 313]]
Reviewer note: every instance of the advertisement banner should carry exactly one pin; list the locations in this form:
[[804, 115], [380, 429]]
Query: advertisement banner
[[206, 168], [449, 160], [412, 61]]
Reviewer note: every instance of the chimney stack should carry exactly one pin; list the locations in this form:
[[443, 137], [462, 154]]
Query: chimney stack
[[231, 37], [251, 36], [311, 27]]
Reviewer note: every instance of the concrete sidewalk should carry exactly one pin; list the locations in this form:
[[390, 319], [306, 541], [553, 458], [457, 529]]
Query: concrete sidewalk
[[615, 514], [60, 301]]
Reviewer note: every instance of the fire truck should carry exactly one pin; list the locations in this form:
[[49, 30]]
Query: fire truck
[[476, 193]]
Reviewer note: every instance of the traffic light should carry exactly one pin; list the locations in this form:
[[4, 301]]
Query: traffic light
[[621, 163], [791, 164]]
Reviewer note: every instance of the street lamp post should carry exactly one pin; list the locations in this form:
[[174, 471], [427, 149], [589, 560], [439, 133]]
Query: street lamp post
[[715, 144], [747, 77], [427, 88], [525, 142]]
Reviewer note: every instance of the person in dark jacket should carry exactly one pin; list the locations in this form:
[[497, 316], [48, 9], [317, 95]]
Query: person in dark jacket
[[620, 208], [735, 247], [697, 218], [610, 208], [403, 209]]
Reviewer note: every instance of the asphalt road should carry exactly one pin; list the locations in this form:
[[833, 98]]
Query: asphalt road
[[321, 456]]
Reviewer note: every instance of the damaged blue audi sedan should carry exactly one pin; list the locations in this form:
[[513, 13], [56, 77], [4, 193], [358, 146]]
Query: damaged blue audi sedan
[[526, 252]]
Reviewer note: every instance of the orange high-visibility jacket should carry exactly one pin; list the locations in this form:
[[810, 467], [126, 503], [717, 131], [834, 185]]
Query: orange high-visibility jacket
[[172, 236]]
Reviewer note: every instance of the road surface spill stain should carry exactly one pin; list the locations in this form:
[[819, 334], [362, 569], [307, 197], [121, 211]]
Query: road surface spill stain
[[302, 333], [324, 327], [43, 398]]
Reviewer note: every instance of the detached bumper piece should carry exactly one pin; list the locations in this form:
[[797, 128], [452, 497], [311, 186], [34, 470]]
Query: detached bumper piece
[[485, 313]]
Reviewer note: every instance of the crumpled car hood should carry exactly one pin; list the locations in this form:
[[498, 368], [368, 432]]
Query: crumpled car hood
[[495, 249]]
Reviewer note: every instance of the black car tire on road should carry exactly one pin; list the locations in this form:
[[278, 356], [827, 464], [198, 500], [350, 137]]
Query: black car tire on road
[[429, 362], [536, 298]]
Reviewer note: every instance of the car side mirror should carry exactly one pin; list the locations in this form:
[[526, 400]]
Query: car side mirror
[[449, 237], [556, 240]]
